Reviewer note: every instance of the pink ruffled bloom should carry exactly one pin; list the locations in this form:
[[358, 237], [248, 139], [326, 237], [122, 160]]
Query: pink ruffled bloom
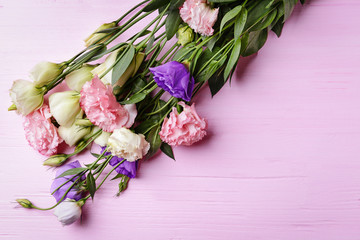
[[199, 16], [185, 128], [41, 134], [101, 107]]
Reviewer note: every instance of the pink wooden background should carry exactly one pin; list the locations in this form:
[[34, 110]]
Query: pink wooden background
[[281, 162]]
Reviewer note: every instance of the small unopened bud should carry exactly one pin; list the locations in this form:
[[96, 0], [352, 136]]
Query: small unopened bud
[[185, 35], [24, 203], [56, 160], [96, 37], [123, 184], [83, 122], [45, 72]]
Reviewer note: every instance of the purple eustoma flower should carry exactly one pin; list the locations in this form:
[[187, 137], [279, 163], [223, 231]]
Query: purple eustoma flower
[[174, 78], [73, 193], [126, 168]]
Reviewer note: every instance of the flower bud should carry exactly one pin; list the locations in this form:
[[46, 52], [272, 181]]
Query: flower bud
[[76, 79], [68, 212], [83, 122], [132, 69], [110, 60], [185, 35], [64, 106], [26, 96], [74, 133], [102, 139], [45, 72], [24, 203], [95, 37], [56, 160], [102, 68]]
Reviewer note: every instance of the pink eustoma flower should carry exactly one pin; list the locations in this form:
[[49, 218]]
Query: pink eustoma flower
[[185, 128], [199, 16], [41, 134], [101, 107]]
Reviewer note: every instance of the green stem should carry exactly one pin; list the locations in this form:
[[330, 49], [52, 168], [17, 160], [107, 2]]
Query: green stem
[[131, 10], [162, 108]]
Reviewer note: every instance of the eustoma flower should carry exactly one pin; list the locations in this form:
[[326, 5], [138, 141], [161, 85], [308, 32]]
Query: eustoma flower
[[68, 212], [74, 133], [41, 134], [174, 78], [126, 144], [101, 107], [76, 79], [64, 183], [65, 106], [200, 17], [45, 72], [26, 96], [185, 128]]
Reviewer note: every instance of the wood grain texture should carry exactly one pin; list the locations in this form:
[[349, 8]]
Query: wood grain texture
[[281, 162]]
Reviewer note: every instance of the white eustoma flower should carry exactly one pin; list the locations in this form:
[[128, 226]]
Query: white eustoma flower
[[64, 106], [98, 37], [26, 96], [126, 144], [45, 72], [74, 133], [76, 79], [68, 211]]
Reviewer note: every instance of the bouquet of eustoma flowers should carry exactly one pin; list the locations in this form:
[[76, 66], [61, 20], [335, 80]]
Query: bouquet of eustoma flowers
[[134, 97]]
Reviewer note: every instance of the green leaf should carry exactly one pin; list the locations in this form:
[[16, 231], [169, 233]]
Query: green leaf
[[117, 176], [302, 1], [211, 69], [257, 13], [72, 171], [210, 44], [175, 4], [234, 57], [144, 33], [146, 125], [173, 21], [184, 52], [137, 97], [167, 149], [155, 142], [90, 184], [150, 44], [277, 28], [155, 4], [123, 184], [256, 42], [229, 16], [265, 22], [216, 82], [95, 155], [289, 7], [122, 64], [240, 23]]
